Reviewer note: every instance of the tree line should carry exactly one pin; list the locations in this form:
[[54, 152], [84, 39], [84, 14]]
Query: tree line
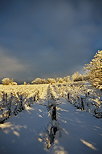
[[75, 77]]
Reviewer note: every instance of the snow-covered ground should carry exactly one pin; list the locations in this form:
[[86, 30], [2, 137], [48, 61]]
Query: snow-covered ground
[[30, 131], [53, 119]]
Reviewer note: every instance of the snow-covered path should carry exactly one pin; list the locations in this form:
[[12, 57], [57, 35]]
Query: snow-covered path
[[78, 132]]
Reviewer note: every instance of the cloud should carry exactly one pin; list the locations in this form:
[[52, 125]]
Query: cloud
[[10, 65], [50, 37]]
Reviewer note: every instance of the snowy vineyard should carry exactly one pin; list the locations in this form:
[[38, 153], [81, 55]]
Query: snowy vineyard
[[14, 99], [83, 96]]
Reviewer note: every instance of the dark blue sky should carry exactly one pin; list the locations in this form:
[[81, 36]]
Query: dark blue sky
[[48, 38]]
